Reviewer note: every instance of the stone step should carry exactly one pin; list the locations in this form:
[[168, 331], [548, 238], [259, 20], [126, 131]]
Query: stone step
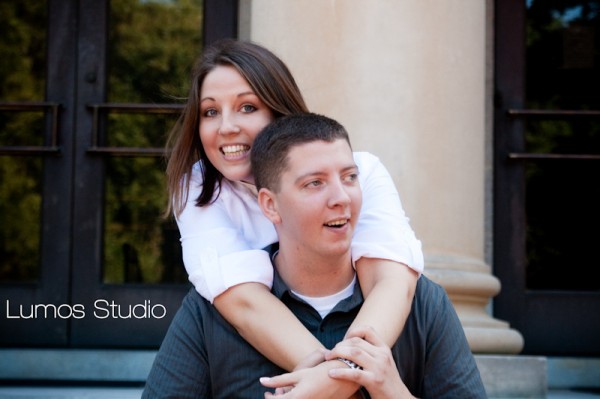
[[112, 374], [30, 392]]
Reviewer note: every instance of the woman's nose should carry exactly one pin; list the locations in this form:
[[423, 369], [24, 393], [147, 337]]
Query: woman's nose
[[228, 124]]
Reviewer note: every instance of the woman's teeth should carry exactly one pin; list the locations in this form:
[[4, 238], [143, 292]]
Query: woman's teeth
[[233, 150]]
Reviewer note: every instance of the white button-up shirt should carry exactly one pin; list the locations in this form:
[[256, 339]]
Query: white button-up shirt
[[222, 242]]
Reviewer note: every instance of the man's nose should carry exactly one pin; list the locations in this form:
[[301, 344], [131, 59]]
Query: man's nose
[[338, 194]]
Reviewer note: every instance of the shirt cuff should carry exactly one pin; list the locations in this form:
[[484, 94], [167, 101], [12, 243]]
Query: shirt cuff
[[406, 252], [217, 274]]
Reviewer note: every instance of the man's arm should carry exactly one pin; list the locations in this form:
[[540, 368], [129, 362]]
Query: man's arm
[[450, 369]]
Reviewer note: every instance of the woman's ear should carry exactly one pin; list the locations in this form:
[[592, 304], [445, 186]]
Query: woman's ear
[[267, 200]]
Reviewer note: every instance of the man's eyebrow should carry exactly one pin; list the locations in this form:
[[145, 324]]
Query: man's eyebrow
[[350, 167], [318, 173]]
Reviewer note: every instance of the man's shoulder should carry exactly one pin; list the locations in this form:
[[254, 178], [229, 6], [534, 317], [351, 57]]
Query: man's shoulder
[[198, 311], [430, 298], [427, 287], [196, 302]]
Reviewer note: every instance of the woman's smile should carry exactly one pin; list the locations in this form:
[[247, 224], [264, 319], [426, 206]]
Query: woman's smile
[[231, 115]]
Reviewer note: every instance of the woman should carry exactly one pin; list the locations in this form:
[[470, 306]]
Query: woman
[[237, 89]]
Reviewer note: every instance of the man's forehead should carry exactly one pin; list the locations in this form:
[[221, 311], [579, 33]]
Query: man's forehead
[[312, 156]]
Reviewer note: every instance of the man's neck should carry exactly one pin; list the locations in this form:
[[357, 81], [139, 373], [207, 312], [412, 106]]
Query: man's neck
[[313, 275]]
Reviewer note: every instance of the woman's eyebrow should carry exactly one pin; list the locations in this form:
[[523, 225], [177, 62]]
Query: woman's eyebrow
[[243, 94]]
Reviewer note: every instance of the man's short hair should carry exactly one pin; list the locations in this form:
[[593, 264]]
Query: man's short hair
[[271, 147]]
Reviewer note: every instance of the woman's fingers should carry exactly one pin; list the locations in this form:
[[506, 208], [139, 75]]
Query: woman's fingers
[[279, 381], [366, 333]]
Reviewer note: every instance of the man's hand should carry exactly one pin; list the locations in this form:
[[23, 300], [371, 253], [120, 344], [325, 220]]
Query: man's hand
[[379, 374]]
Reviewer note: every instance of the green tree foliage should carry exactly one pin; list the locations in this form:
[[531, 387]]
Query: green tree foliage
[[22, 78], [152, 48], [22, 50]]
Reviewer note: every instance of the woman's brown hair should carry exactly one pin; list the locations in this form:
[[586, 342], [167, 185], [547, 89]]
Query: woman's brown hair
[[271, 81]]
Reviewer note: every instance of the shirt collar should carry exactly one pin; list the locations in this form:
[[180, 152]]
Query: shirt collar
[[281, 290]]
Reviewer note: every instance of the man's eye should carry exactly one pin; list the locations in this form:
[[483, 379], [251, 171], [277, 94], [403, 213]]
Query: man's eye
[[314, 183], [351, 177]]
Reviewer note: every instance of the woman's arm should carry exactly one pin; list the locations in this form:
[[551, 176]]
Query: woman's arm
[[272, 329], [387, 254], [222, 242], [383, 230], [388, 288], [267, 324], [289, 385]]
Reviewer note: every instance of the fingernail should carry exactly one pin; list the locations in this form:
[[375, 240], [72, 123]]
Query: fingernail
[[264, 379]]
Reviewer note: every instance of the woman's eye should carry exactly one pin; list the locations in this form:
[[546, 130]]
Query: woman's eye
[[247, 108], [210, 112]]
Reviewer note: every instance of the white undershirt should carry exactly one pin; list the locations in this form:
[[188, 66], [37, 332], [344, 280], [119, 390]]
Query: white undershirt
[[325, 304]]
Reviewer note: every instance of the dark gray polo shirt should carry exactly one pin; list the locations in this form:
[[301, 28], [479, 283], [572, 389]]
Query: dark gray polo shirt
[[202, 356]]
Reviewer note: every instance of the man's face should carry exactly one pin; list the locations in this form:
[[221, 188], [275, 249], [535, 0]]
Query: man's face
[[319, 199]]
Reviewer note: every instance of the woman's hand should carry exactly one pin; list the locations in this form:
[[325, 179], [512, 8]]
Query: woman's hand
[[315, 358], [310, 383], [378, 373]]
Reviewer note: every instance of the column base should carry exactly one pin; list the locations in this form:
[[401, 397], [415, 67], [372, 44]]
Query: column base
[[494, 340], [470, 286]]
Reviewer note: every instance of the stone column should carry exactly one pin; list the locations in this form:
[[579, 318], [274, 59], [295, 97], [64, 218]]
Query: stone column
[[408, 80]]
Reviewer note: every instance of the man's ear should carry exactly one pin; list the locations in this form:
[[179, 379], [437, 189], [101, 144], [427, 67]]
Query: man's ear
[[267, 201]]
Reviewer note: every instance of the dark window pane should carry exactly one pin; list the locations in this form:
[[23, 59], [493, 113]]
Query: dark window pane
[[22, 50], [139, 246], [563, 54], [151, 50], [152, 45], [563, 219], [22, 79], [20, 210], [562, 196]]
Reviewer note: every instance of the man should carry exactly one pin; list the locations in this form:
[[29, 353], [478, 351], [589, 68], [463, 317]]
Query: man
[[307, 180]]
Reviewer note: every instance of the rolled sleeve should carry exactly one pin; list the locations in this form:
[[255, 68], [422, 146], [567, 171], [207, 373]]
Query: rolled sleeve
[[214, 274], [383, 229], [221, 243]]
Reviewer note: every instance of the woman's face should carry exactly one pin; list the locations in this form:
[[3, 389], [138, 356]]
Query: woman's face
[[231, 115]]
